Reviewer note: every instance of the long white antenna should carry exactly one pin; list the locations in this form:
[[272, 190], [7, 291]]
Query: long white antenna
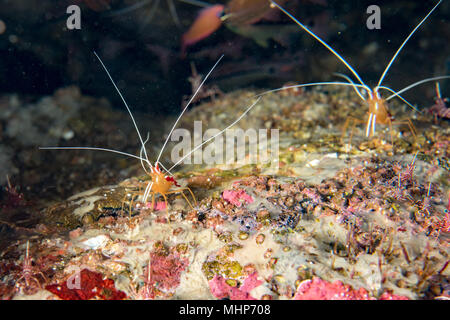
[[320, 40], [353, 84], [185, 108], [126, 105], [316, 84], [416, 84], [98, 149], [164, 168], [399, 96], [28, 248], [403, 44], [200, 145], [142, 150], [148, 189]]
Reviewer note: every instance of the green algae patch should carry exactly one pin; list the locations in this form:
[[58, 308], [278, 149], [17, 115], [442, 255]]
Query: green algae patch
[[227, 269], [86, 207]]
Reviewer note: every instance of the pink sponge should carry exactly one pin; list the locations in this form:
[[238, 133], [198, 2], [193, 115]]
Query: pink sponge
[[390, 296], [318, 289], [237, 197]]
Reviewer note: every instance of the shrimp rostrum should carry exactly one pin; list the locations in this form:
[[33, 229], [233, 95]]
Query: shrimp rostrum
[[378, 112], [162, 181]]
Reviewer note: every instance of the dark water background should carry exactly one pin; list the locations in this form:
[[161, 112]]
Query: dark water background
[[38, 54]]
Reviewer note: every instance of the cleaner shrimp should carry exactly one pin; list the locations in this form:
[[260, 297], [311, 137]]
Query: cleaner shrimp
[[378, 112], [439, 109], [162, 180], [29, 273]]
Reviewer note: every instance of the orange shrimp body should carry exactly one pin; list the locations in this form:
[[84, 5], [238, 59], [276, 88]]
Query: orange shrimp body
[[378, 108], [378, 113], [160, 182]]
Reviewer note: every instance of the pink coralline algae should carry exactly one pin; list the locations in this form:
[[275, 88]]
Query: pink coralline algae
[[237, 197], [220, 289], [318, 289], [166, 270], [391, 296]]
